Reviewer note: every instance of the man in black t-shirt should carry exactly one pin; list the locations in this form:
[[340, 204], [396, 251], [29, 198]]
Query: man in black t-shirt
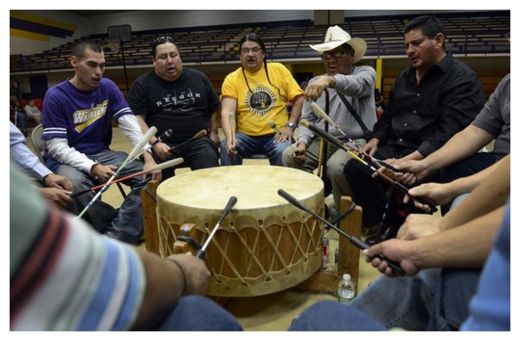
[[181, 99]]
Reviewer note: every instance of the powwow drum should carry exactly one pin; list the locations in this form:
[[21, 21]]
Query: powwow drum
[[264, 245]]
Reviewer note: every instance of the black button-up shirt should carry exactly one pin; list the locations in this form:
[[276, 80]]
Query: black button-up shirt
[[424, 117]]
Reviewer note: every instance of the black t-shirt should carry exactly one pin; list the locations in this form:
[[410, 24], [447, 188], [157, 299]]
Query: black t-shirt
[[184, 106]]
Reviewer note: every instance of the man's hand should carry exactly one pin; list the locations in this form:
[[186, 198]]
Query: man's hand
[[317, 85], [149, 163], [419, 225], [371, 146], [195, 272], [285, 134], [162, 150], [299, 153], [231, 145], [57, 181], [58, 196], [399, 251], [103, 173], [417, 167], [437, 194], [213, 135]]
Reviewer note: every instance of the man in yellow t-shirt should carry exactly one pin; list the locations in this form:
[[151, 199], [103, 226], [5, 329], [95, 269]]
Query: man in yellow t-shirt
[[258, 92]]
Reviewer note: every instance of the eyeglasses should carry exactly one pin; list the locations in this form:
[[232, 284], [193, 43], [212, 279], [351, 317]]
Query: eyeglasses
[[335, 54], [163, 39], [255, 50]]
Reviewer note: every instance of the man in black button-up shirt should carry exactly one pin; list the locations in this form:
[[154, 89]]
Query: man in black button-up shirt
[[435, 98]]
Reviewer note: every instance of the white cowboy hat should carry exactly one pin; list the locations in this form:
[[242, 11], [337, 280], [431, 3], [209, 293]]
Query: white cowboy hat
[[335, 37]]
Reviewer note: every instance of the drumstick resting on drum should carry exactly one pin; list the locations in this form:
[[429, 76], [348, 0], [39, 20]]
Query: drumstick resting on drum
[[161, 166], [358, 243], [200, 134], [231, 202]]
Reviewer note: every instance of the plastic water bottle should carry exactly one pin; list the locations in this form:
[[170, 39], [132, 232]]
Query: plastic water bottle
[[346, 291]]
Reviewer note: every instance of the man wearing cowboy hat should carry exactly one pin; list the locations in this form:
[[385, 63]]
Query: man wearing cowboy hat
[[355, 84]]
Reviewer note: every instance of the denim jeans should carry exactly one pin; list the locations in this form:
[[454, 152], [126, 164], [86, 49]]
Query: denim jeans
[[125, 224], [334, 316], [250, 145], [198, 313]]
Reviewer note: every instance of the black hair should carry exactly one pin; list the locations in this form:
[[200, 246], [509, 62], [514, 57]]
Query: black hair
[[256, 38], [79, 49], [159, 41], [429, 25]]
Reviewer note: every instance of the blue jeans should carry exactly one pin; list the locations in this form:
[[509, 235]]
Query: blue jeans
[[334, 316], [125, 224], [251, 145], [198, 313], [434, 299]]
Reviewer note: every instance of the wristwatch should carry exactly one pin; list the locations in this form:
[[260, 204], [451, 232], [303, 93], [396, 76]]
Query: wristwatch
[[291, 125]]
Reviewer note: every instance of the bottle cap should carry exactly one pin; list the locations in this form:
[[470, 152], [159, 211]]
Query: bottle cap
[[346, 277]]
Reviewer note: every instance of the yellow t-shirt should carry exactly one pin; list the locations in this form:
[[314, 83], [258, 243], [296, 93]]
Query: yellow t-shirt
[[263, 104]]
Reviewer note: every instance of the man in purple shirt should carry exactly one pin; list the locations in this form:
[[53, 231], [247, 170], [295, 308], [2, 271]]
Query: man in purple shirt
[[77, 121]]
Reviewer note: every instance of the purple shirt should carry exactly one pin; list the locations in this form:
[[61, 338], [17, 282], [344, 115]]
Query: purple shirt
[[84, 118]]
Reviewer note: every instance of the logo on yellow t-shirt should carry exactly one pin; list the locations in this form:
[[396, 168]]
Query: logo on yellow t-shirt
[[260, 100]]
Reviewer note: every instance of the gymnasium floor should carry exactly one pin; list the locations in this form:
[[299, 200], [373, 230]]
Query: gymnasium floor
[[270, 312]]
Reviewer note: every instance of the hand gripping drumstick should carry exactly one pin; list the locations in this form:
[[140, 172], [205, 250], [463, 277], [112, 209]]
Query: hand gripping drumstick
[[318, 111], [161, 166], [138, 149], [231, 202], [338, 144], [201, 133], [356, 242]]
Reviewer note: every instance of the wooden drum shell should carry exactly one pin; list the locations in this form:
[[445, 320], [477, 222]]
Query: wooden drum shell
[[262, 246]]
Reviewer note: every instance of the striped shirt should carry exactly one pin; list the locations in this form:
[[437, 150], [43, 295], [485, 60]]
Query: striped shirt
[[65, 276]]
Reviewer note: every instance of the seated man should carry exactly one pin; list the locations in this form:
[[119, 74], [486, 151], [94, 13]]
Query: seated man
[[77, 121], [63, 276], [258, 92], [181, 99], [32, 111], [431, 101], [56, 188], [459, 157], [343, 85]]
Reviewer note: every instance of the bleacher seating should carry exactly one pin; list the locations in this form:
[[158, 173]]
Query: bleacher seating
[[467, 34]]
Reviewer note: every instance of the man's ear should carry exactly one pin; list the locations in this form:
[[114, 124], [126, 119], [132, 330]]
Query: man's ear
[[439, 40], [73, 61]]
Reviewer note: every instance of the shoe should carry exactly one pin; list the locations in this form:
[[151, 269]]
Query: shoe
[[333, 215]]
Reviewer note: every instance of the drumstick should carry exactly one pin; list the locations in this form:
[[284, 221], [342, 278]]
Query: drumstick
[[161, 166], [232, 126], [201, 133], [138, 149], [356, 242], [337, 143], [163, 136], [318, 111], [231, 202]]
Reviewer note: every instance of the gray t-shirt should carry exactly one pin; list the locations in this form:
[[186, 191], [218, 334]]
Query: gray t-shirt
[[494, 118]]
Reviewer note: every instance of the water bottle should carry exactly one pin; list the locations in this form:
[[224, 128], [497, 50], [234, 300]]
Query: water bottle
[[346, 291]]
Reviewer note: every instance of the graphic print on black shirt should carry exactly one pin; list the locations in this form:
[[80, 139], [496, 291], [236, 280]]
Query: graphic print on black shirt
[[183, 101]]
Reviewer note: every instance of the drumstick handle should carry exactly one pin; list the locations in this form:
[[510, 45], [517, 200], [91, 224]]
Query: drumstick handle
[[356, 242], [229, 206]]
